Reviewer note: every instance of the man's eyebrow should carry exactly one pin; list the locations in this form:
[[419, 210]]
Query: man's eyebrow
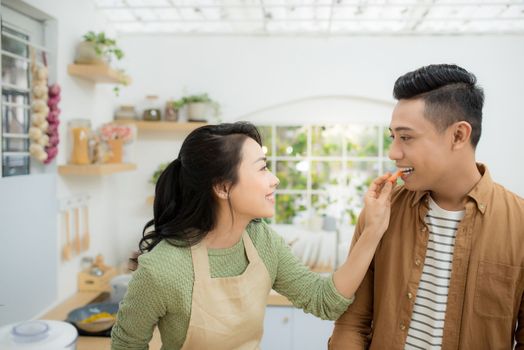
[[401, 128], [261, 158]]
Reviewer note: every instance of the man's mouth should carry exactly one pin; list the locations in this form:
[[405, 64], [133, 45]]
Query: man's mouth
[[406, 170]]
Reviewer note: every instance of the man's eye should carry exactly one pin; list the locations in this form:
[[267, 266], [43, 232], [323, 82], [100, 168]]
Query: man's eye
[[265, 167], [405, 138], [391, 136]]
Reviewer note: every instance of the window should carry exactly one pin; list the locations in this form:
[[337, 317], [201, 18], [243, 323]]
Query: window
[[19, 33], [324, 169]]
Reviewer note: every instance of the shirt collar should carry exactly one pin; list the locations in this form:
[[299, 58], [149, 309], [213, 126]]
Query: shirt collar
[[479, 194]]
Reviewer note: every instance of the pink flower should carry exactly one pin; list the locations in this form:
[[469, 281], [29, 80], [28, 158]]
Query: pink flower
[[116, 132]]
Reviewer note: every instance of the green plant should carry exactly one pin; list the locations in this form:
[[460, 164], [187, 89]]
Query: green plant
[[123, 81], [159, 170], [104, 46], [201, 98], [177, 104]]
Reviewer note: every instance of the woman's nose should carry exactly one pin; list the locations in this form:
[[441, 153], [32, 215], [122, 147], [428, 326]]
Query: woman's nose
[[276, 181]]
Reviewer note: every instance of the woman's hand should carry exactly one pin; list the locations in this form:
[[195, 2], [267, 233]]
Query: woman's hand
[[378, 205]]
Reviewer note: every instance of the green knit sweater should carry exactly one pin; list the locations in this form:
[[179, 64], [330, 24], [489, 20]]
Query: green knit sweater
[[161, 288]]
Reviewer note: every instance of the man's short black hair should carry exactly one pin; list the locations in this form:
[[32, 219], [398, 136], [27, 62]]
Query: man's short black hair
[[450, 94]]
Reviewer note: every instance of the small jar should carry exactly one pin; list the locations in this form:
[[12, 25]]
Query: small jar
[[152, 112], [126, 112], [170, 112]]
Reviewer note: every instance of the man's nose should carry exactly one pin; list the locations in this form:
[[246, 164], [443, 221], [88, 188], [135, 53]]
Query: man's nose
[[394, 152]]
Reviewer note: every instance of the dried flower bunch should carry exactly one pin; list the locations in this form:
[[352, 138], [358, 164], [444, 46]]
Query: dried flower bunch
[[111, 131]]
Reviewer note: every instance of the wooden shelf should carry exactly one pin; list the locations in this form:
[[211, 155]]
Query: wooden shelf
[[99, 73], [162, 125], [95, 169]]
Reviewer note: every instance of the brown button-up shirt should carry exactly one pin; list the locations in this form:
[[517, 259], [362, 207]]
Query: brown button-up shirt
[[485, 307]]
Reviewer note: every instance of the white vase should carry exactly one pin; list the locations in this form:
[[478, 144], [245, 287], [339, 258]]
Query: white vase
[[198, 111], [86, 54]]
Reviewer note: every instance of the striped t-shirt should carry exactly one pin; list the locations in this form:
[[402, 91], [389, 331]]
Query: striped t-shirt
[[427, 322]]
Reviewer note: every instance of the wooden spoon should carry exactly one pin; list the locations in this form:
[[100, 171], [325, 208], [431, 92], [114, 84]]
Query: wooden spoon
[[67, 251], [85, 237], [76, 240]]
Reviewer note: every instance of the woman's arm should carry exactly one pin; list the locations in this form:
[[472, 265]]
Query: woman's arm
[[378, 207], [329, 297], [138, 313]]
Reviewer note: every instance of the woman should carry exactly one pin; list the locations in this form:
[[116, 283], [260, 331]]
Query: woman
[[211, 263]]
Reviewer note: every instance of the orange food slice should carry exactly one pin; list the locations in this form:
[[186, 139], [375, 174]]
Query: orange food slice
[[393, 178]]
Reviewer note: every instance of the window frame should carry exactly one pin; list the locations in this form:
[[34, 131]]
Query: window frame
[[381, 159], [35, 32]]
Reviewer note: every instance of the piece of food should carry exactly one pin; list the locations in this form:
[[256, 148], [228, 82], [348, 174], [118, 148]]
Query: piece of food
[[393, 178], [98, 316]]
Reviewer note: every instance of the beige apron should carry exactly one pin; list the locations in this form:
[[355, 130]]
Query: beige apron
[[227, 313]]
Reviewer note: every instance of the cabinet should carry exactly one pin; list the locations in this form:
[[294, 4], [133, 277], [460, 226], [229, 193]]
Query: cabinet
[[289, 328]]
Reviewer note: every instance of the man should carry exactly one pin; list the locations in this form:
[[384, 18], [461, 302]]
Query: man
[[449, 272]]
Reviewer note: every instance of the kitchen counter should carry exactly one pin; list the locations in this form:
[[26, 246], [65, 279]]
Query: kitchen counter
[[104, 343], [90, 343]]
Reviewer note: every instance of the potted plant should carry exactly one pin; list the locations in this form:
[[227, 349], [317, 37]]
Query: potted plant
[[199, 107], [97, 48]]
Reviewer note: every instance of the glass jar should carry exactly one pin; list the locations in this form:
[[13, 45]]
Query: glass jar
[[79, 132], [170, 112], [126, 112], [152, 112]]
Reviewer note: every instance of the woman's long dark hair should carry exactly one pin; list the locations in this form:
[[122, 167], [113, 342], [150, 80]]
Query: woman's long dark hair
[[185, 207]]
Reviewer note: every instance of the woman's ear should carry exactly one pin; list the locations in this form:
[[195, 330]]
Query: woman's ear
[[461, 134], [221, 190]]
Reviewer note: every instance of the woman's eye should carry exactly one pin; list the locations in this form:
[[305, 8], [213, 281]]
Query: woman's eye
[[265, 167], [405, 138]]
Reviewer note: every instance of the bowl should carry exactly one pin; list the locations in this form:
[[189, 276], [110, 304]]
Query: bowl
[[83, 318]]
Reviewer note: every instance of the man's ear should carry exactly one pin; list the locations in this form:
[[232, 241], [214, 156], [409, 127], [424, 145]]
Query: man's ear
[[221, 190], [461, 134]]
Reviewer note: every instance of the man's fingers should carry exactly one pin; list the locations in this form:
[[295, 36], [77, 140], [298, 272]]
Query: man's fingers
[[377, 184], [386, 191]]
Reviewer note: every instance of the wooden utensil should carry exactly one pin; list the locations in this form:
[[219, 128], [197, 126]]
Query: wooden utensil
[[67, 251], [85, 237], [76, 240]]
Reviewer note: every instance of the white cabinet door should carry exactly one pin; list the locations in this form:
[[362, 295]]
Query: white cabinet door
[[310, 332], [278, 328], [289, 328]]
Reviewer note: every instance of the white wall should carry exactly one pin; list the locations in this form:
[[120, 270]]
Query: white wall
[[247, 75], [80, 99], [270, 79]]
